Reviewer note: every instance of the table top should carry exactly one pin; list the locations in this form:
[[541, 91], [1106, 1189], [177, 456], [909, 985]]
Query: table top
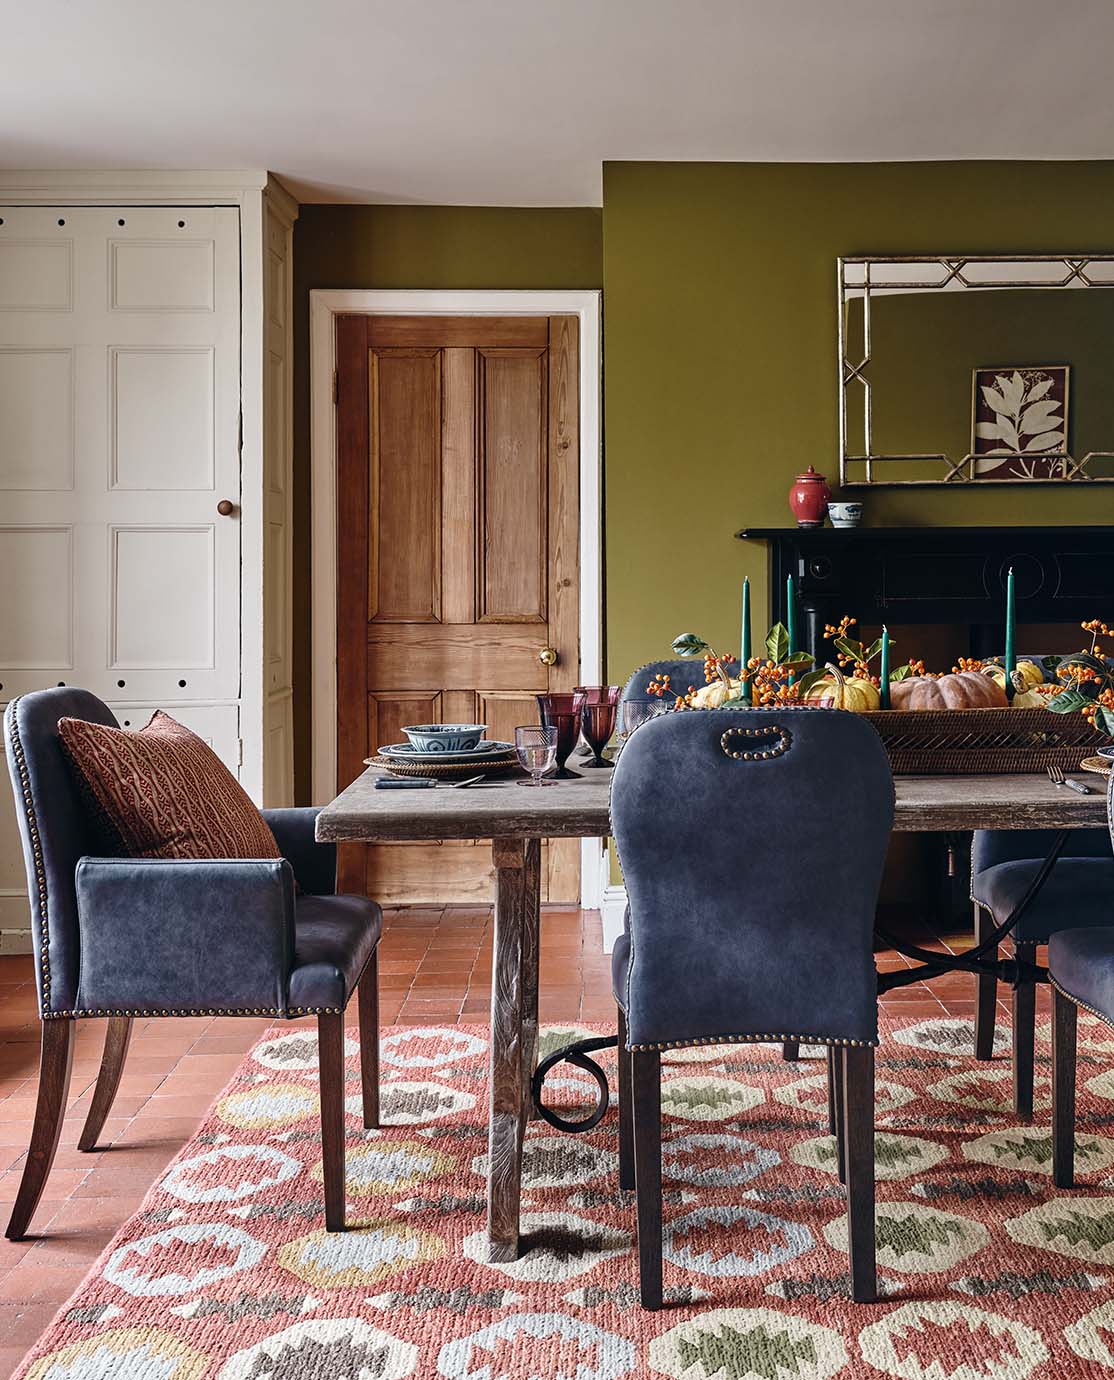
[[579, 808]]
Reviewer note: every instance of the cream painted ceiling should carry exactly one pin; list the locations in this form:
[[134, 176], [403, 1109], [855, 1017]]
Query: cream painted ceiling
[[518, 102]]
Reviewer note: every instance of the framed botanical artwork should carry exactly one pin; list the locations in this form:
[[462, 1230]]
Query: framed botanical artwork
[[1019, 422]]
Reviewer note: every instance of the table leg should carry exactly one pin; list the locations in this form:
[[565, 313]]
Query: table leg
[[504, 1174], [531, 951]]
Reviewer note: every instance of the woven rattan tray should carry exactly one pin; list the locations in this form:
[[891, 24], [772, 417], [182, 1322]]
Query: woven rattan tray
[[1101, 765], [491, 765], [983, 742]]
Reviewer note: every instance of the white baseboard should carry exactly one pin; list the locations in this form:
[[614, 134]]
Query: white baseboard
[[613, 906], [15, 922]]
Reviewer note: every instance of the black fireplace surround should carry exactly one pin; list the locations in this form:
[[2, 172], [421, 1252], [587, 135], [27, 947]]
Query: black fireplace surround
[[939, 575]]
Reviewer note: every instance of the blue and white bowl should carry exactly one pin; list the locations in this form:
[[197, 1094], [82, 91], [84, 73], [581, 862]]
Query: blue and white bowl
[[444, 737], [845, 514]]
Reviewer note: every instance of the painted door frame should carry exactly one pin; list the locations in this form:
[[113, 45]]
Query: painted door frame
[[325, 305]]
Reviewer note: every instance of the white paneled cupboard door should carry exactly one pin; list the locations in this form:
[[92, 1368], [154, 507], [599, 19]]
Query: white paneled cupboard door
[[119, 436]]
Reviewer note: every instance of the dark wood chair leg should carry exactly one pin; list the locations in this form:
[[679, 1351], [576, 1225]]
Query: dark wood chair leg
[[626, 1129], [116, 1040], [858, 1120], [1024, 1039], [1064, 1016], [790, 1051], [833, 1105], [646, 1103], [367, 998], [330, 1064], [986, 991], [836, 1098], [55, 1062]]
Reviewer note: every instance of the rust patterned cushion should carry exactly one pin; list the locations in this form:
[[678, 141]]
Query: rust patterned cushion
[[164, 793]]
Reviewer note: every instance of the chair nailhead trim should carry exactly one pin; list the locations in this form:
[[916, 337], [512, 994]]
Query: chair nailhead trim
[[756, 1040], [37, 859], [293, 1011], [785, 739], [1084, 1006]]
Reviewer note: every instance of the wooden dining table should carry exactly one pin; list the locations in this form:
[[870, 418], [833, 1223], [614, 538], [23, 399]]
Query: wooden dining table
[[516, 816]]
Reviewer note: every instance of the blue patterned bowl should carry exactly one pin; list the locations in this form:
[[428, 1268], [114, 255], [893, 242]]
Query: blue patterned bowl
[[444, 737]]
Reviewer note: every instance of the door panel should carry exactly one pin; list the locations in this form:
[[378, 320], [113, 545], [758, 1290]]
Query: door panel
[[512, 476], [456, 438], [405, 566]]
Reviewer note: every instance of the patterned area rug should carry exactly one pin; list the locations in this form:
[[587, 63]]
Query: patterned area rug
[[227, 1274]]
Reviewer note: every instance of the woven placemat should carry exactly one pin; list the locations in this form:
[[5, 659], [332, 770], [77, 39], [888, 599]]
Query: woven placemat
[[1101, 765], [491, 765]]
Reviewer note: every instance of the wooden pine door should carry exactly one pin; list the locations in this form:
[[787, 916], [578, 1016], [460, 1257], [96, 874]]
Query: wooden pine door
[[458, 517]]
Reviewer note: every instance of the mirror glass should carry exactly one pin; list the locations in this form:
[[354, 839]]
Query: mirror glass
[[977, 370]]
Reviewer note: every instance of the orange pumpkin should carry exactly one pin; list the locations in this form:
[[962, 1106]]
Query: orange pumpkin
[[962, 690]]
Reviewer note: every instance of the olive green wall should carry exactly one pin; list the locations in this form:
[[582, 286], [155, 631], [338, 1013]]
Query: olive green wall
[[411, 247], [720, 385]]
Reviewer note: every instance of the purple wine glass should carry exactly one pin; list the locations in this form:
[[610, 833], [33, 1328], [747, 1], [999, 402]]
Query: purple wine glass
[[562, 712], [597, 718]]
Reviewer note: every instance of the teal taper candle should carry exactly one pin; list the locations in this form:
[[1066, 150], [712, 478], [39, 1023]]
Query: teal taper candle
[[884, 670], [791, 618], [744, 645], [1011, 614]]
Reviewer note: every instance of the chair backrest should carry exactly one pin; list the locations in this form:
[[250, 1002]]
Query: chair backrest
[[55, 827], [681, 672], [752, 844]]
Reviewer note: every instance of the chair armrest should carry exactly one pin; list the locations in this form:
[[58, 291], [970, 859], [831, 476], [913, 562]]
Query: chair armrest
[[208, 936], [314, 864]]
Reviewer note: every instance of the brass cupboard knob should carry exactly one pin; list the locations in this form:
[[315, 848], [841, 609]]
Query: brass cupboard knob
[[226, 507], [548, 656]]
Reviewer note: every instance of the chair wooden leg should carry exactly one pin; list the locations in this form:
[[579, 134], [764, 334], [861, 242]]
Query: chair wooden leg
[[367, 998], [790, 1051], [1024, 1039], [986, 990], [116, 1040], [55, 1062], [858, 1120], [836, 1099], [646, 1102], [626, 1130], [1064, 1015], [330, 1063]]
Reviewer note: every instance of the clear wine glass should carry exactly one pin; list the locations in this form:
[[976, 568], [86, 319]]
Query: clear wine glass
[[635, 713], [536, 746]]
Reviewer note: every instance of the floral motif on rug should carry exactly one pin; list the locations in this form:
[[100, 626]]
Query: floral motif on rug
[[226, 1272]]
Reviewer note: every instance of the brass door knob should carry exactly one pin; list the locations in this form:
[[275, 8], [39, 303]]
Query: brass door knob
[[548, 656], [226, 507]]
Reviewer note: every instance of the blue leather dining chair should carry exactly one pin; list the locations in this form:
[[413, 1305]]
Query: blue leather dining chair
[[732, 827], [131, 937], [1079, 892], [682, 673]]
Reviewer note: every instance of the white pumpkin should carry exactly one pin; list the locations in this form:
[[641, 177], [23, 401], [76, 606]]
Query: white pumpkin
[[713, 695]]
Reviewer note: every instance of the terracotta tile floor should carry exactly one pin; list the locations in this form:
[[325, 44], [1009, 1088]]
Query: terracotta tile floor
[[435, 966]]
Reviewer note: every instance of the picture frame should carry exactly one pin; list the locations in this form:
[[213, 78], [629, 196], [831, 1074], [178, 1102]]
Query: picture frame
[[1019, 421]]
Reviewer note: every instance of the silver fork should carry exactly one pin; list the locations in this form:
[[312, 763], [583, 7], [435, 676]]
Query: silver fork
[[1057, 777]]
